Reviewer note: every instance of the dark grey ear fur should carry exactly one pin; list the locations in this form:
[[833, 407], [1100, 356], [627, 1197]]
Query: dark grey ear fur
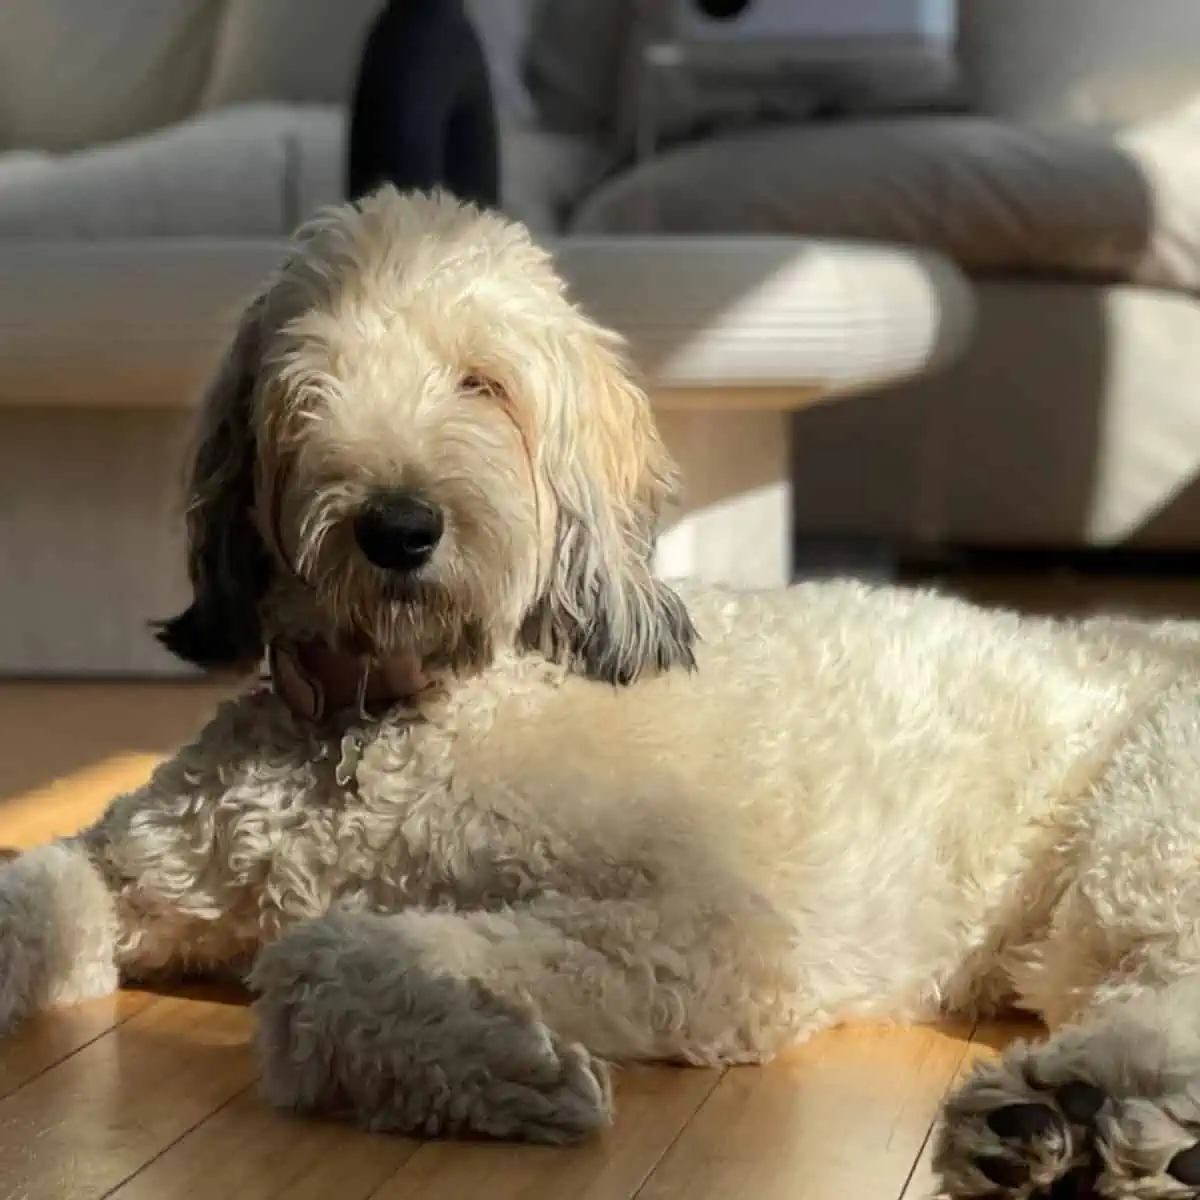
[[606, 628], [228, 564]]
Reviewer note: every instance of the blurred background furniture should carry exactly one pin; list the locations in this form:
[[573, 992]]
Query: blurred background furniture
[[1062, 173], [142, 203], [153, 157]]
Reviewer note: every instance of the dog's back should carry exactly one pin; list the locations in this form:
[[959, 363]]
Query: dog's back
[[888, 767]]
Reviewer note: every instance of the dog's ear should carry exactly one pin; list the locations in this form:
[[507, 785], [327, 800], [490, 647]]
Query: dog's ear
[[602, 610], [228, 564]]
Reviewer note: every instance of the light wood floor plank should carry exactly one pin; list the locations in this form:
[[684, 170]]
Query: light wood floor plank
[[653, 1107], [248, 1150], [845, 1115], [67, 749], [49, 731], [86, 1125], [45, 1040], [987, 1043], [65, 806]]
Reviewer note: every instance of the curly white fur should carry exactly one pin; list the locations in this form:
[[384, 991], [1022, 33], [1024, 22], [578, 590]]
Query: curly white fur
[[624, 821]]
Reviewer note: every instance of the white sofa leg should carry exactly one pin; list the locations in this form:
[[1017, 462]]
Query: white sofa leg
[[734, 523]]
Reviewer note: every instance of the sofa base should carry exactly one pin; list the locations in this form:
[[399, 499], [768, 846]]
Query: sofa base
[[90, 542]]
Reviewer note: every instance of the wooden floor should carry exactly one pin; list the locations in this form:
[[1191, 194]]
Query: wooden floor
[[153, 1097]]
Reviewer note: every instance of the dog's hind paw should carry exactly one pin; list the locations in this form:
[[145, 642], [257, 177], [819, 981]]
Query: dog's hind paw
[[1076, 1118]]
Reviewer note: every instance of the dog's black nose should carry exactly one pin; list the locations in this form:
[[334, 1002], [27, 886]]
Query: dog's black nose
[[399, 531]]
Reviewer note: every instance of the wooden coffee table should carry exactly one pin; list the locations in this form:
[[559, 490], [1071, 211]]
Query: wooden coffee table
[[732, 336]]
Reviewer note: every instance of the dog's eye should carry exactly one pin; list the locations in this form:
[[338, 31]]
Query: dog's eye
[[481, 385]]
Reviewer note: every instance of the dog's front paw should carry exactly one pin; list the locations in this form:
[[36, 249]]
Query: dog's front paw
[[1083, 1115], [545, 1091], [353, 1021]]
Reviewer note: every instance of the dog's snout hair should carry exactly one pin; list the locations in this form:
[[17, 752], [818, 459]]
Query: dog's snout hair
[[413, 345]]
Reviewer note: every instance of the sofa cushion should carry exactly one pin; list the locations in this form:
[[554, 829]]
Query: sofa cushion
[[246, 172], [254, 170], [75, 74], [993, 197], [721, 316]]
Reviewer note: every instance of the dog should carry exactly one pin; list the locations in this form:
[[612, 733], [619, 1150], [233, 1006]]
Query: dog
[[507, 808]]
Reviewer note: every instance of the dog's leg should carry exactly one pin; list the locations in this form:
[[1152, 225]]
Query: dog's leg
[[71, 929], [391, 1020], [58, 931], [141, 894], [495, 1023]]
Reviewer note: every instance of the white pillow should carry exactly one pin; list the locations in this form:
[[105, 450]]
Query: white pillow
[[1105, 63]]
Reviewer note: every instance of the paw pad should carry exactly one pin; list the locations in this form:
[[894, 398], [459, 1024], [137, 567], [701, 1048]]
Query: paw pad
[[1080, 1184], [1185, 1166], [1007, 1172], [1080, 1102], [1023, 1122]]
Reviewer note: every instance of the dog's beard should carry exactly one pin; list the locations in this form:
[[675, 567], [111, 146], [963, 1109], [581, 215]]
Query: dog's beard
[[452, 616], [420, 618], [425, 619]]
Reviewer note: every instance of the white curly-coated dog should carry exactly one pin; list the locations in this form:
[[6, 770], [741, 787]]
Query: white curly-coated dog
[[511, 809]]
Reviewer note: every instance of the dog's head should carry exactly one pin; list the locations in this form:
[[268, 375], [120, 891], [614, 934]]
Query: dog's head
[[417, 445]]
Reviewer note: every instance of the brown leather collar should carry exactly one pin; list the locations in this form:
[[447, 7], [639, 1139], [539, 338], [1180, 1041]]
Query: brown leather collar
[[316, 681]]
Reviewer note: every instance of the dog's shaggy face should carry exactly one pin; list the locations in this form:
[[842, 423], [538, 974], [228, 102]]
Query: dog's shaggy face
[[418, 446]]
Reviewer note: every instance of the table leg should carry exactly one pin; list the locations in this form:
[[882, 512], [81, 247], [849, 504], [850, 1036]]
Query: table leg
[[734, 521]]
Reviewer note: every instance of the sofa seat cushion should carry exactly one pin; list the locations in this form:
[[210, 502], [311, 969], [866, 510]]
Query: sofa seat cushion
[[991, 196]]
